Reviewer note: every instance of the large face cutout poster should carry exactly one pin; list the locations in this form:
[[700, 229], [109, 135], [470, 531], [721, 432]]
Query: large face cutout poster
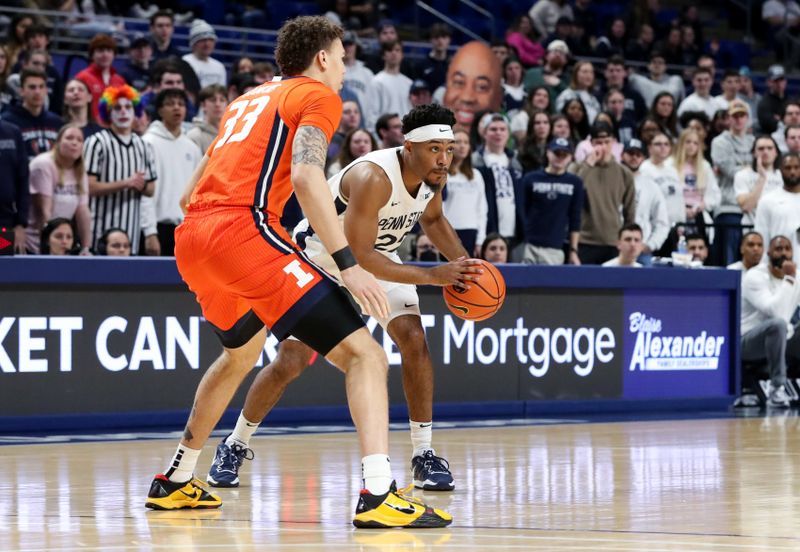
[[473, 83]]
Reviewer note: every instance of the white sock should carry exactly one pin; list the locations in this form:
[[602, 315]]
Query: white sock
[[242, 432], [376, 471], [421, 436], [183, 463]]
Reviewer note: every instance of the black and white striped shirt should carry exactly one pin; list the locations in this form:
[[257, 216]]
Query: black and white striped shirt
[[110, 159]]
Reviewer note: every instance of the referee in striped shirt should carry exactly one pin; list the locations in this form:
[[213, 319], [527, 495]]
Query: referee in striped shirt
[[120, 166]]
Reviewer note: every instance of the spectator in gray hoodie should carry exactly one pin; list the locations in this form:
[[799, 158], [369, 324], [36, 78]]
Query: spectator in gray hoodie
[[213, 101], [731, 151]]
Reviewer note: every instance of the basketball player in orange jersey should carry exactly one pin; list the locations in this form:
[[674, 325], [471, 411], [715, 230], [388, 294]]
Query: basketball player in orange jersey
[[247, 273], [380, 197]]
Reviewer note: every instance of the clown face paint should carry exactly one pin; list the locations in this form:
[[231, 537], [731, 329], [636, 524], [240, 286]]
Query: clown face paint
[[122, 114]]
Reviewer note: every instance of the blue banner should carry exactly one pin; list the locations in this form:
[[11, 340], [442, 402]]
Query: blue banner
[[676, 344]]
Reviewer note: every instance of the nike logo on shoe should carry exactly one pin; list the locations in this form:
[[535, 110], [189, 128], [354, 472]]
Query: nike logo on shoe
[[410, 510], [194, 496]]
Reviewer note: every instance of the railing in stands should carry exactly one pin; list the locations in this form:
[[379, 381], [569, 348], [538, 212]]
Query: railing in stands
[[69, 40], [747, 6], [487, 14], [450, 21], [421, 4]]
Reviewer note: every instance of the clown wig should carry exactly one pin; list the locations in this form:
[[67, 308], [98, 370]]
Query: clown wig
[[112, 95]]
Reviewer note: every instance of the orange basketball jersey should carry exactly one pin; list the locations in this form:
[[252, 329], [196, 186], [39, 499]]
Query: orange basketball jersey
[[250, 161]]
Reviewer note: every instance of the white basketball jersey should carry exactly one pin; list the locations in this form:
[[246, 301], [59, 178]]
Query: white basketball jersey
[[396, 218]]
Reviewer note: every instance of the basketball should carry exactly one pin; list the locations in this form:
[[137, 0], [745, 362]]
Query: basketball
[[482, 299]]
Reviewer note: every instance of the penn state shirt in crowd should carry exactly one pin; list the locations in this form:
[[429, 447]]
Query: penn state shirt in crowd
[[38, 131], [552, 207]]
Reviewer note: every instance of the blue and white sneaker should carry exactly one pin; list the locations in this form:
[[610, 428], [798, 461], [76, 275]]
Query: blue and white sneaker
[[224, 470], [431, 473]]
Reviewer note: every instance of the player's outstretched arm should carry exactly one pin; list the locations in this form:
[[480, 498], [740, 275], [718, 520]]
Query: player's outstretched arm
[[309, 150]]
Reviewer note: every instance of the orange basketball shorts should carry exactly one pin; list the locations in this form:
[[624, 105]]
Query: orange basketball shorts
[[246, 273]]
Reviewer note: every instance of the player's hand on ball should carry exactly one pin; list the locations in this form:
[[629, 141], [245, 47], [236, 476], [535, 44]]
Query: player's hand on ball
[[367, 291], [456, 273]]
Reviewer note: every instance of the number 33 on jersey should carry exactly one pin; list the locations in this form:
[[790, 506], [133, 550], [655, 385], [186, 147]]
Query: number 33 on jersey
[[250, 161]]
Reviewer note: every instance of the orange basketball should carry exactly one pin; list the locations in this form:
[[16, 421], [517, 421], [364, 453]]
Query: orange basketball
[[482, 299]]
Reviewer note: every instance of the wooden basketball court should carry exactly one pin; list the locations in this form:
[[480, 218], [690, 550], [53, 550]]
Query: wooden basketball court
[[690, 485]]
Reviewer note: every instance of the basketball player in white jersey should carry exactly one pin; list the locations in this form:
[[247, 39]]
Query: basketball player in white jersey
[[379, 198]]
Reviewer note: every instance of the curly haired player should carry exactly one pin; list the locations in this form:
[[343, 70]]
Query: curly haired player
[[247, 273]]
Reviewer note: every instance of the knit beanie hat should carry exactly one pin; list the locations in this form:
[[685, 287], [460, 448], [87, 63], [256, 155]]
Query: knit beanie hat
[[199, 31]]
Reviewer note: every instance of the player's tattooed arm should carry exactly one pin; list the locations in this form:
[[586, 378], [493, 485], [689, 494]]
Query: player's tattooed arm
[[310, 147]]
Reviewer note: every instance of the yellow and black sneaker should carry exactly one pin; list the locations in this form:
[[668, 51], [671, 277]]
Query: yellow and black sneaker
[[168, 495], [395, 509]]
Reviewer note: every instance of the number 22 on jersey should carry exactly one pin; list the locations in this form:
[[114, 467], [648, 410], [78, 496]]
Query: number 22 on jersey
[[246, 111]]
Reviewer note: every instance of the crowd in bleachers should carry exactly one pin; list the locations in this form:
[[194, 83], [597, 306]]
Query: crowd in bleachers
[[558, 157]]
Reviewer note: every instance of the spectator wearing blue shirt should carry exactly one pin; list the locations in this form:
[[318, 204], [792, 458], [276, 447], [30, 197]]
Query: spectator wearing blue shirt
[[552, 199], [14, 192], [162, 27], [38, 126], [136, 69], [433, 68]]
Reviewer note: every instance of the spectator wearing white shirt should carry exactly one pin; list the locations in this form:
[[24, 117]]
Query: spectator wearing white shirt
[[770, 299], [754, 182], [176, 157], [651, 207], [791, 136], [629, 245], [581, 86], [357, 76], [202, 39], [752, 250], [465, 205], [390, 87], [789, 117], [700, 99], [730, 89], [661, 170], [779, 212], [545, 14], [658, 80]]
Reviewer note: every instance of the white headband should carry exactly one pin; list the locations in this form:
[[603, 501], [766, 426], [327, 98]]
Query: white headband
[[430, 132]]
